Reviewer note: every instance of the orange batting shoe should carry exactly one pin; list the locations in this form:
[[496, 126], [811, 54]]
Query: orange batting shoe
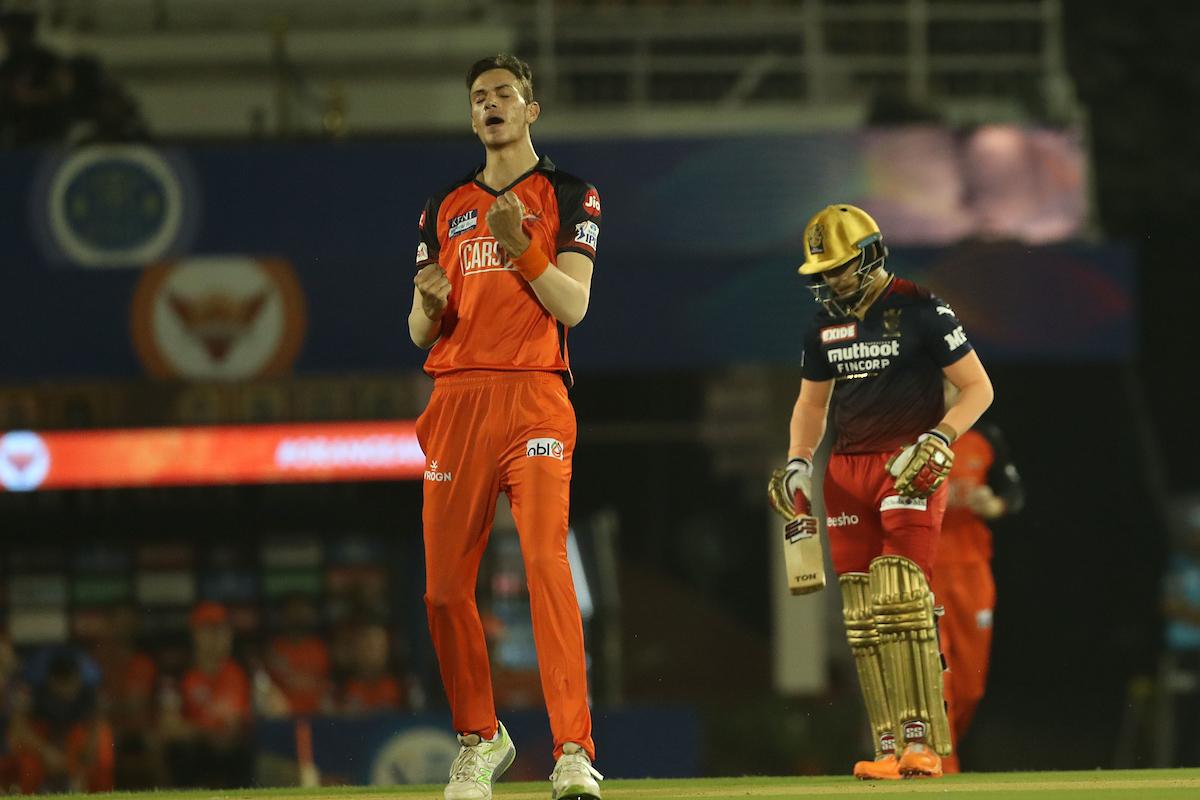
[[884, 769], [919, 761], [950, 765]]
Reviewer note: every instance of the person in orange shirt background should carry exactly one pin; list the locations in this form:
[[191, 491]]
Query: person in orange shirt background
[[371, 687], [984, 485], [298, 660], [207, 724], [504, 269], [129, 677], [60, 736]]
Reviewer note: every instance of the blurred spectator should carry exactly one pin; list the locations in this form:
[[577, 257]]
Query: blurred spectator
[[128, 680], [371, 686], [61, 741], [101, 109], [35, 84], [9, 666], [1181, 608], [298, 659], [343, 635], [207, 722]]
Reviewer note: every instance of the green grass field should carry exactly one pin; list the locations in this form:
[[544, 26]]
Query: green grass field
[[1110, 785]]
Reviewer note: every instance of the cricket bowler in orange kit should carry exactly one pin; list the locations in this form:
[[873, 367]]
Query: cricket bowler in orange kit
[[983, 485], [504, 270], [874, 359]]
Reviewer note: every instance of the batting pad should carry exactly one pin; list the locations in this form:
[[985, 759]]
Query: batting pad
[[912, 663], [864, 646]]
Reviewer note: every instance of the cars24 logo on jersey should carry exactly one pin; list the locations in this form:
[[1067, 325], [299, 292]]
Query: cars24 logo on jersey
[[483, 254]]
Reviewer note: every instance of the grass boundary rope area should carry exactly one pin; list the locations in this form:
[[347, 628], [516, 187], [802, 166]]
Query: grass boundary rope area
[[1104, 785]]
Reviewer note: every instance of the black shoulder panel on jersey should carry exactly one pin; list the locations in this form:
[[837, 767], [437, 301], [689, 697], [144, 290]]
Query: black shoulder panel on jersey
[[568, 189], [429, 246], [1003, 477], [579, 217]]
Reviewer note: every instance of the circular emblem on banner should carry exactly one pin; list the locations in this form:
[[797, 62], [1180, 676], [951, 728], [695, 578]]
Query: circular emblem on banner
[[24, 461], [218, 318], [419, 755], [114, 206]]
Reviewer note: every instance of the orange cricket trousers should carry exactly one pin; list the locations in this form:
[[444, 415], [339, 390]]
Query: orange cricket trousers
[[484, 432], [967, 591]]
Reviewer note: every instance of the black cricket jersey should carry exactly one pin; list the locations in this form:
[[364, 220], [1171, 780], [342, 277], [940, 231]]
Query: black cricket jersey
[[887, 367]]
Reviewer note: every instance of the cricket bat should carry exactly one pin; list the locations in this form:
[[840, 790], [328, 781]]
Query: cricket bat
[[803, 556]]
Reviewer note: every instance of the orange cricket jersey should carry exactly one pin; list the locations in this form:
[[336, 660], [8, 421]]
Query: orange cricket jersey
[[301, 670], [219, 702], [493, 320], [362, 695], [965, 537]]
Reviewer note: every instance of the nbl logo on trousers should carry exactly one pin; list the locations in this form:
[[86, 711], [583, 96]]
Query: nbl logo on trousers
[[550, 448]]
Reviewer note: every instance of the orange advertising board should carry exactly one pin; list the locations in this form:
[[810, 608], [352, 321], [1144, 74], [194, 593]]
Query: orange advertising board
[[301, 453]]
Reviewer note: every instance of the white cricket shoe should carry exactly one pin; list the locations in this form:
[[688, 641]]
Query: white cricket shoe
[[574, 777], [479, 764]]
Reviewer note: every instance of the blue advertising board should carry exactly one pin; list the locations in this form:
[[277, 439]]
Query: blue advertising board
[[269, 259]]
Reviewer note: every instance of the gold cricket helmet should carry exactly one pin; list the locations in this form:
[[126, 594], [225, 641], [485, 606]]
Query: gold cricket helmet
[[841, 236], [835, 235]]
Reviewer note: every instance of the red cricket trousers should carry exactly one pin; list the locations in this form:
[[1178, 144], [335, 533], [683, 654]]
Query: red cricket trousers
[[866, 518], [484, 432]]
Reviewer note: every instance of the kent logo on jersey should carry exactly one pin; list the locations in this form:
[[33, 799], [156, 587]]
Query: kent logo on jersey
[[464, 222]]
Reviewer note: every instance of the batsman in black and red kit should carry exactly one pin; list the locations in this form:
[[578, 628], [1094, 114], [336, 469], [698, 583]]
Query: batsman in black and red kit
[[874, 360]]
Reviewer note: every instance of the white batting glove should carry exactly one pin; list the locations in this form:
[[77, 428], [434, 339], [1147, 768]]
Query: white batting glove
[[790, 489]]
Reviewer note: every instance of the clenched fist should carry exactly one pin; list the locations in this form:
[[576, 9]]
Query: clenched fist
[[504, 220], [434, 286]]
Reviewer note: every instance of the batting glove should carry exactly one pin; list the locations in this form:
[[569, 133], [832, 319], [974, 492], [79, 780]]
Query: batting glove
[[920, 468], [790, 489]]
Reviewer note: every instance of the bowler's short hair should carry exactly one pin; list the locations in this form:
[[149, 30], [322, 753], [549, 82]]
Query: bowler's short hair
[[511, 63]]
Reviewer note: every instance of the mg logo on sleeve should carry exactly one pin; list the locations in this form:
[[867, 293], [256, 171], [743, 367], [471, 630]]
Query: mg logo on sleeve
[[955, 338]]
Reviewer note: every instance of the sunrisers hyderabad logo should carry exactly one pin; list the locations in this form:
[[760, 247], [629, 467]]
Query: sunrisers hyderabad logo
[[816, 240], [218, 318], [24, 461]]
